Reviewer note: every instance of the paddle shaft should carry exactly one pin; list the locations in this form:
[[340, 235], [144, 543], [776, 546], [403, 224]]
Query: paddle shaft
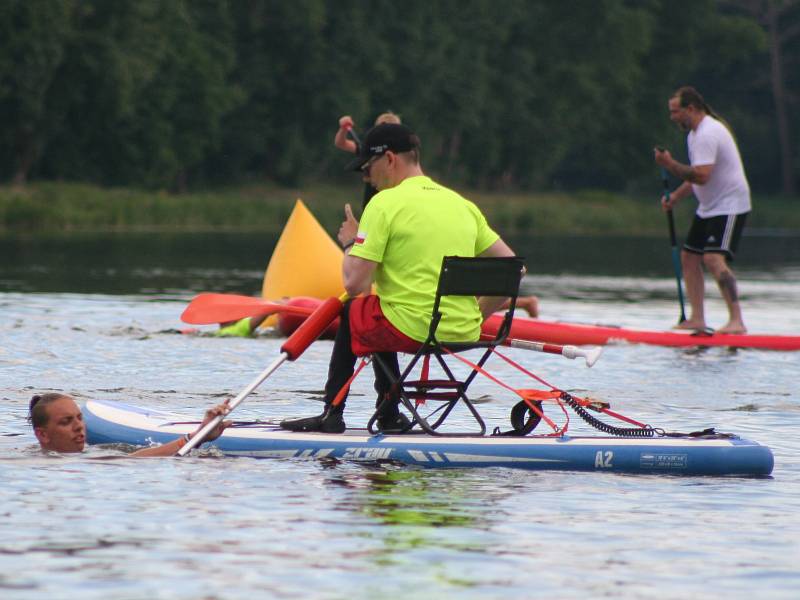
[[355, 137], [676, 257], [291, 349], [198, 437]]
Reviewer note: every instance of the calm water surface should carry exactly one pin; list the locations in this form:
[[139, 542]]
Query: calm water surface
[[94, 319]]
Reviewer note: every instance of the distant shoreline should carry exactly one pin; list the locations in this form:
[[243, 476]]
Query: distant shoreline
[[53, 207]]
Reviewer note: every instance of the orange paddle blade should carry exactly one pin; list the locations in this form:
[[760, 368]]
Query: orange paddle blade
[[209, 308]]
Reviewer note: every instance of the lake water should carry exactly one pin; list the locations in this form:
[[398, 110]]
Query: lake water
[[94, 317]]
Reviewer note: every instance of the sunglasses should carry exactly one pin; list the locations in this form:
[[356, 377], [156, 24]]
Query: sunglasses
[[368, 165]]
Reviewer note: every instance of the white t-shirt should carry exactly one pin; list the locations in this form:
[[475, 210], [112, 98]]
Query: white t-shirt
[[727, 191]]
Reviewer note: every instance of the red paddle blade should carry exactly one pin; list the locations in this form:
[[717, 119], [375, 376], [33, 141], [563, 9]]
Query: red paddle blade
[[209, 308]]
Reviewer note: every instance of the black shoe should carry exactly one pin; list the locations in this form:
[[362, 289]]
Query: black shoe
[[331, 421], [393, 423]]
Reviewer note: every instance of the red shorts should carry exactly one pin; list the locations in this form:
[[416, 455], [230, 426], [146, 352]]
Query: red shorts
[[371, 331]]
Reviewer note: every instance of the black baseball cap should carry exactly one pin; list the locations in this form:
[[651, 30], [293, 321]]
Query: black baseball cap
[[381, 139]]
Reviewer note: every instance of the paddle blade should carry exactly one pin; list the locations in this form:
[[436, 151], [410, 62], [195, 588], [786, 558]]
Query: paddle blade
[[209, 308]]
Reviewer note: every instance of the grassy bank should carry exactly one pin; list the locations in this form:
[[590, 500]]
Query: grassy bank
[[51, 207]]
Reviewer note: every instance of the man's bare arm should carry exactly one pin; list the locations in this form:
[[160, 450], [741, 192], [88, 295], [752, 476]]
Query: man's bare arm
[[490, 304]]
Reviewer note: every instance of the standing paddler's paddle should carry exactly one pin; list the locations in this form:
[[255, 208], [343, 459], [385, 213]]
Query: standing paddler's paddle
[[208, 308], [354, 135], [676, 257], [291, 349]]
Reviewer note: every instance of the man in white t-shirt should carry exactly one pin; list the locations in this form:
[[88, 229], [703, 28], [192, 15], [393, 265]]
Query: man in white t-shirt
[[716, 177]]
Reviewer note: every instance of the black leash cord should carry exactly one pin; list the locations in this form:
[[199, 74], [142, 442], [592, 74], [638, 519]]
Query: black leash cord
[[605, 427]]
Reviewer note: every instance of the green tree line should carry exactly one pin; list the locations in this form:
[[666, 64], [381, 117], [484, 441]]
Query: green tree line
[[506, 94]]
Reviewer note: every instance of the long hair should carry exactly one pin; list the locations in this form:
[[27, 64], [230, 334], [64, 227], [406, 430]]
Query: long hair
[[688, 96]]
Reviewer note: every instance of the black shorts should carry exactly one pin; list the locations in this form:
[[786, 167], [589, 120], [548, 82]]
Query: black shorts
[[719, 235]]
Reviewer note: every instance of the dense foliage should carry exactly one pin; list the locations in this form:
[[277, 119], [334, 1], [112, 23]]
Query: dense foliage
[[515, 94]]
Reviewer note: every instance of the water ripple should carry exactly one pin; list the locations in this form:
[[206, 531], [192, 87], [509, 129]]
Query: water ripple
[[103, 525]]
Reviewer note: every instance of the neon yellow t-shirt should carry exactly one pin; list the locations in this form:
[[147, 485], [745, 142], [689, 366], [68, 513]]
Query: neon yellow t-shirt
[[408, 229]]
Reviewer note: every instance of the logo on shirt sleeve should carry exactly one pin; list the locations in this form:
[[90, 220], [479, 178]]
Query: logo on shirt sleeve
[[361, 237]]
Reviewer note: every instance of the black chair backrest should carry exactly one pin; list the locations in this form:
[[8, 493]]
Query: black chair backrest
[[480, 276]]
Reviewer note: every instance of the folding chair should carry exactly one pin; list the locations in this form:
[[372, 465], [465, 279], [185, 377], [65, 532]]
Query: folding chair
[[460, 276]]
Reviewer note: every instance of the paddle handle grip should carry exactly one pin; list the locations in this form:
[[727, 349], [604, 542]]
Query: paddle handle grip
[[590, 355], [201, 435]]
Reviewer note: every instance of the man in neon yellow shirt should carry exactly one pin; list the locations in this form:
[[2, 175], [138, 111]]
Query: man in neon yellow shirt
[[405, 231]]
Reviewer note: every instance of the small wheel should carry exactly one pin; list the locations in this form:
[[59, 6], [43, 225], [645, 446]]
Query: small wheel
[[523, 418]]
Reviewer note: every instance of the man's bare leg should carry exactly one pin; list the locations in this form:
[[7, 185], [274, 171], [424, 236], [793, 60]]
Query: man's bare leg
[[695, 290], [726, 280], [530, 304]]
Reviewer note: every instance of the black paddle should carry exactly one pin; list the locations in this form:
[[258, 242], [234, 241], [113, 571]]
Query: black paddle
[[355, 138], [676, 257]]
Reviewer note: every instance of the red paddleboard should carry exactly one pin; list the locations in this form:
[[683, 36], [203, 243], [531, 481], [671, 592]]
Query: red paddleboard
[[577, 334], [556, 332]]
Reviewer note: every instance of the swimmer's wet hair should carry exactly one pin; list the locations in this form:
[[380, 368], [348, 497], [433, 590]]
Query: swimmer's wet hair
[[37, 409]]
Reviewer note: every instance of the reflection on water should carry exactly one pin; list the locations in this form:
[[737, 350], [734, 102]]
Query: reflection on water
[[134, 263], [405, 496], [172, 263], [759, 256]]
